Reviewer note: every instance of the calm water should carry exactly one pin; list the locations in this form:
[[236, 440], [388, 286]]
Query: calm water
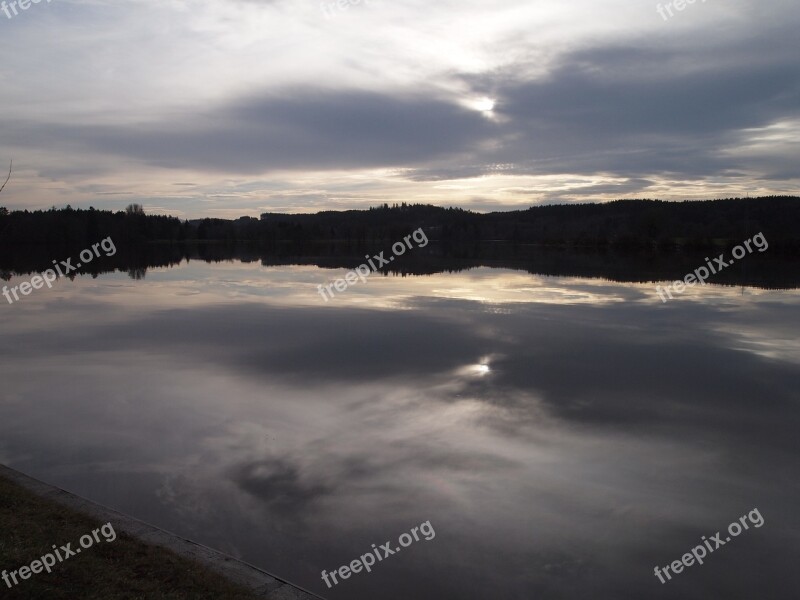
[[562, 435]]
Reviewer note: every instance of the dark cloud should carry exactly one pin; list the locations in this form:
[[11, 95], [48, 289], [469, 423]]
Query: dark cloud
[[306, 128], [638, 111], [633, 112]]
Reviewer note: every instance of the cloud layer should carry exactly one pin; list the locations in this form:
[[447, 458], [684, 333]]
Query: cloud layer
[[221, 110]]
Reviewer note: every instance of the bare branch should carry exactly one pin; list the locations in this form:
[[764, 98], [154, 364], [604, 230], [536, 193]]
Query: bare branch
[[9, 175]]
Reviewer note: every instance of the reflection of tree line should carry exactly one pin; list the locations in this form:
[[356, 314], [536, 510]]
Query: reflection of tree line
[[773, 269]]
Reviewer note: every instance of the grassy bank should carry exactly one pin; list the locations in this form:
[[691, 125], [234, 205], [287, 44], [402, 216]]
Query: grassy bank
[[123, 568]]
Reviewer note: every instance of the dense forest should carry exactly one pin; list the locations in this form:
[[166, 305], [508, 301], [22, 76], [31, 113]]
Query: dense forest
[[619, 224]]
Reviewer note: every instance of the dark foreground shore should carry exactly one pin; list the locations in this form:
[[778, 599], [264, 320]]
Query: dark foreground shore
[[101, 554]]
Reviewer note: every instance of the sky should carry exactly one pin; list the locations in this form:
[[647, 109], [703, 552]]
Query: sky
[[239, 107]]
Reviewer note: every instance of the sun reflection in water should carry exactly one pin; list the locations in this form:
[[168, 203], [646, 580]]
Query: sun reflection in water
[[480, 369]]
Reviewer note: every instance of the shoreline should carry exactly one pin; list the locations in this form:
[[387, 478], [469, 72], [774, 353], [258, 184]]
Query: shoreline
[[258, 582]]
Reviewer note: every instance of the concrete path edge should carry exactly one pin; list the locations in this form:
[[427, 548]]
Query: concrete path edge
[[261, 583]]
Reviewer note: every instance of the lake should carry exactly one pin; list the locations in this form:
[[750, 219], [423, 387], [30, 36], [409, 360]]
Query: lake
[[563, 435]]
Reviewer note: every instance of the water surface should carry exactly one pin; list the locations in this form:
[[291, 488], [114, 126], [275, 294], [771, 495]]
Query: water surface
[[563, 435]]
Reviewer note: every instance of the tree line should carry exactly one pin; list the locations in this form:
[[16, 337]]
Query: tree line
[[618, 224]]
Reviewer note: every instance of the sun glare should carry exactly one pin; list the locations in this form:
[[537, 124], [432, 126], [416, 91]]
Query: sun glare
[[485, 105]]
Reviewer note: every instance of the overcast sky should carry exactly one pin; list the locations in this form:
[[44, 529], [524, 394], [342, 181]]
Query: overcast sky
[[236, 107]]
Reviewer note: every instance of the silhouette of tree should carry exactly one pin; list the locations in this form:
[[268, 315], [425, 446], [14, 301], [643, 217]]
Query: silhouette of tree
[[2, 187]]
